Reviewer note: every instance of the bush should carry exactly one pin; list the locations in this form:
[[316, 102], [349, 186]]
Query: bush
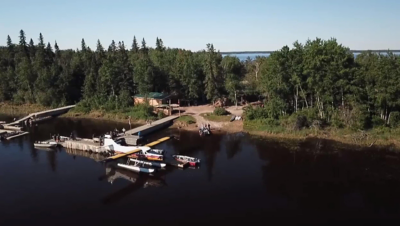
[[142, 111], [377, 121], [255, 113], [220, 111], [160, 115], [394, 120]]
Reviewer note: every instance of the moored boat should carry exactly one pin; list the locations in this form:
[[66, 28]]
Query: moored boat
[[182, 158], [153, 164], [45, 144], [136, 167]]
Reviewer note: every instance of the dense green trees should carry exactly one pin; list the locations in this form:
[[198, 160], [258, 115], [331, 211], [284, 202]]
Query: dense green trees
[[320, 78]]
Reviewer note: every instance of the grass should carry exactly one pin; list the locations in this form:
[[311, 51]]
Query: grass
[[187, 119], [216, 118], [381, 136], [24, 109]]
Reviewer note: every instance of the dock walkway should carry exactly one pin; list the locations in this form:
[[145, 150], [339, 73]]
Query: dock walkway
[[36, 115], [156, 125]]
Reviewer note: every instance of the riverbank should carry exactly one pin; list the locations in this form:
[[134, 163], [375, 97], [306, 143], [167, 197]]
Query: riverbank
[[193, 117]]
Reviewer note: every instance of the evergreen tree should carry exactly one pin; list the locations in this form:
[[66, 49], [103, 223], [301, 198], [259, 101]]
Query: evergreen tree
[[135, 46], [83, 45]]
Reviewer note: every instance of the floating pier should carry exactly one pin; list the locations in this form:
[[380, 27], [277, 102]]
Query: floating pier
[[42, 115], [17, 135], [84, 145], [154, 126]]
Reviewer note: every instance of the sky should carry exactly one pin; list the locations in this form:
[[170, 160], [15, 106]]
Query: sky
[[231, 25]]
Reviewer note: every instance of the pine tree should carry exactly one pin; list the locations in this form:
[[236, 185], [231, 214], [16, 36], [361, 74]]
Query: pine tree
[[9, 41], [57, 50], [159, 44], [135, 46], [143, 48], [112, 47], [32, 49], [41, 41], [83, 45], [23, 49]]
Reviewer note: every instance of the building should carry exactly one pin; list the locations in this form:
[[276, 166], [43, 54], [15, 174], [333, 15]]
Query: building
[[154, 99]]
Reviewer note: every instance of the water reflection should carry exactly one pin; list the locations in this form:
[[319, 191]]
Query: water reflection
[[241, 177], [138, 181]]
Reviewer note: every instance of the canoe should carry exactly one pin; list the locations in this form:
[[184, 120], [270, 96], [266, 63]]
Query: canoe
[[182, 158], [45, 145], [136, 168], [154, 164]]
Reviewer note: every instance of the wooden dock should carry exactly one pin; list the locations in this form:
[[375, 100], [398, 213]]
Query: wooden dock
[[84, 145], [154, 126], [42, 114], [17, 135]]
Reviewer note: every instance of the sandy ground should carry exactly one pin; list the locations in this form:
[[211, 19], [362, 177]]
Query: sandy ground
[[195, 112]]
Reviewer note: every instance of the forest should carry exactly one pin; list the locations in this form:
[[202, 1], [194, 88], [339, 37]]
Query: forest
[[316, 83]]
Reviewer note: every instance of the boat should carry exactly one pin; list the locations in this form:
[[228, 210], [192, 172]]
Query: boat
[[45, 144], [192, 161], [136, 167], [154, 164], [142, 151], [204, 131]]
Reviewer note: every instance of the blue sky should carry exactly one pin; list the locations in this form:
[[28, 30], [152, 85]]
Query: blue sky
[[231, 25]]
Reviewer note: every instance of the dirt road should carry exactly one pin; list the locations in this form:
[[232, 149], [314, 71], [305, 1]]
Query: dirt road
[[195, 112]]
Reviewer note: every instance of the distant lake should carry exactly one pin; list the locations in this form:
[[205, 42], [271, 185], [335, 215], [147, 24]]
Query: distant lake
[[244, 56]]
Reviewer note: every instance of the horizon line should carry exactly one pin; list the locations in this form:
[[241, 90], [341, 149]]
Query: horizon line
[[269, 52]]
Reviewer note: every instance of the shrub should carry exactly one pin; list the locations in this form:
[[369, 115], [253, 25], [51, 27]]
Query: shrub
[[142, 111], [160, 115], [255, 113], [394, 120], [220, 111], [377, 121]]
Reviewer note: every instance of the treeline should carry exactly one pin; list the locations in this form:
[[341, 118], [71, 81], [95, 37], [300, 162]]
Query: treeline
[[324, 83], [320, 79], [106, 78]]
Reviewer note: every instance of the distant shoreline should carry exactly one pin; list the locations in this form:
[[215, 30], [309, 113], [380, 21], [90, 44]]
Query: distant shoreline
[[269, 52]]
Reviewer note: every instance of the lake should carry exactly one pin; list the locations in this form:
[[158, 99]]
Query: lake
[[244, 56], [242, 179]]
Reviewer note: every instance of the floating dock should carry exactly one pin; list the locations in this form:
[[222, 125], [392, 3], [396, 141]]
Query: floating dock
[[42, 115], [84, 145], [17, 135], [154, 126]]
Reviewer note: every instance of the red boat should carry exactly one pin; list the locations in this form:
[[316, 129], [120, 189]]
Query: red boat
[[192, 161]]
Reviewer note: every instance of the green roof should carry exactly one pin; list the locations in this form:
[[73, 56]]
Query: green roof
[[153, 95]]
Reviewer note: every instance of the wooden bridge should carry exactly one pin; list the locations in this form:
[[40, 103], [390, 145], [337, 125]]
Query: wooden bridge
[[42, 114]]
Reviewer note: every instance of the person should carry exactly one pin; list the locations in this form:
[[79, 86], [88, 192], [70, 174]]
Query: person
[[129, 121], [123, 130], [209, 127], [139, 134]]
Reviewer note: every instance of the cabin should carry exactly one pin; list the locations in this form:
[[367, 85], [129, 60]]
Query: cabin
[[154, 99]]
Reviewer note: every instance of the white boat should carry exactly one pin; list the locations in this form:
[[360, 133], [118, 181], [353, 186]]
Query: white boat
[[182, 158], [45, 144], [154, 164], [136, 167]]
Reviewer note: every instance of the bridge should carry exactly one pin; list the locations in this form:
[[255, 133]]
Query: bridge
[[42, 114]]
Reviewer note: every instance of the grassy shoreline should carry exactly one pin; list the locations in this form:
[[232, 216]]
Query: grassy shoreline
[[376, 137]]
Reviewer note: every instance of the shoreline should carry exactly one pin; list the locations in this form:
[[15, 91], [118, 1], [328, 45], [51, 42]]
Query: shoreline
[[226, 128]]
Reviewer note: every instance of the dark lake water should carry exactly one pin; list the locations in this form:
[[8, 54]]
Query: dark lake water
[[242, 180]]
